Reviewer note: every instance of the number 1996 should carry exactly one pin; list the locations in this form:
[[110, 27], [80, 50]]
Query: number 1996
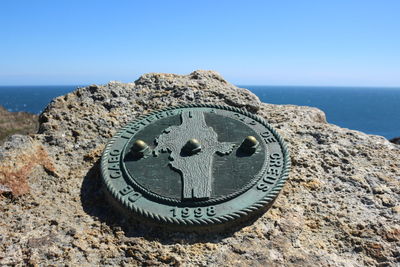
[[195, 212]]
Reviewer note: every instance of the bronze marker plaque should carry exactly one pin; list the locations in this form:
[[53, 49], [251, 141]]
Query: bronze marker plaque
[[194, 166]]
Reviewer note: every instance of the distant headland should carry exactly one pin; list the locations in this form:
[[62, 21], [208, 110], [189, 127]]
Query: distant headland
[[16, 123]]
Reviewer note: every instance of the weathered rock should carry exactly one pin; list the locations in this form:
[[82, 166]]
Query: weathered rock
[[340, 206], [20, 157]]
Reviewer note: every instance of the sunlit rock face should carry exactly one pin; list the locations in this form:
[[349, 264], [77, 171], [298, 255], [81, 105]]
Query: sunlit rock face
[[340, 206]]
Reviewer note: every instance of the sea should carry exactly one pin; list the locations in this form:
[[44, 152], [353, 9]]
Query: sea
[[372, 110]]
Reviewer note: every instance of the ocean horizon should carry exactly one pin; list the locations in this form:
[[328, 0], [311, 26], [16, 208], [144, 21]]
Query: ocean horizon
[[373, 110]]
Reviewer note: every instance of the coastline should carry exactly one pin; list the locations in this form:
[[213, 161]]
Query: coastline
[[17, 123]]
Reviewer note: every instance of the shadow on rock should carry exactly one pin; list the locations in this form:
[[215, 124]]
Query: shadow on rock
[[94, 202]]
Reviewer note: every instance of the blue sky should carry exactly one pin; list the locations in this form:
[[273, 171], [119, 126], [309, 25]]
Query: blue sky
[[337, 42]]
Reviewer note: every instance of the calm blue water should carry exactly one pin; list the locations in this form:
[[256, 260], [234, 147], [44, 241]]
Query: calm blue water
[[370, 110], [31, 99]]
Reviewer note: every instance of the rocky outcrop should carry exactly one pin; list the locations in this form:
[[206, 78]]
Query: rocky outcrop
[[16, 123], [340, 206], [395, 140]]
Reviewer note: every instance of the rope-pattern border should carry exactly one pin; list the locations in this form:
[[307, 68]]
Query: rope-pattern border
[[270, 196]]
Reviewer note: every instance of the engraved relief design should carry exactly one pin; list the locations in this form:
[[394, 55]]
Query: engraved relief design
[[195, 169]]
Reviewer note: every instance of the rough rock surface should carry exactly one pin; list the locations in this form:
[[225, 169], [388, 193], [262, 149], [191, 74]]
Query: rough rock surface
[[340, 206]]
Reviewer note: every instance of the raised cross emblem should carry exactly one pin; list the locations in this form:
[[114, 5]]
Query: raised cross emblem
[[192, 146]]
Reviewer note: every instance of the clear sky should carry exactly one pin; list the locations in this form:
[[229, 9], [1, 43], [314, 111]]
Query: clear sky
[[336, 42]]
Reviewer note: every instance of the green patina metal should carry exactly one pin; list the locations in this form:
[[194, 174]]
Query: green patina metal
[[195, 165]]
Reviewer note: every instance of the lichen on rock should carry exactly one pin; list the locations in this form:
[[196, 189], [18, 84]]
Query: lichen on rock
[[340, 206]]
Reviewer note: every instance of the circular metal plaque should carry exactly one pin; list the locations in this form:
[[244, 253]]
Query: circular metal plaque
[[195, 165]]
